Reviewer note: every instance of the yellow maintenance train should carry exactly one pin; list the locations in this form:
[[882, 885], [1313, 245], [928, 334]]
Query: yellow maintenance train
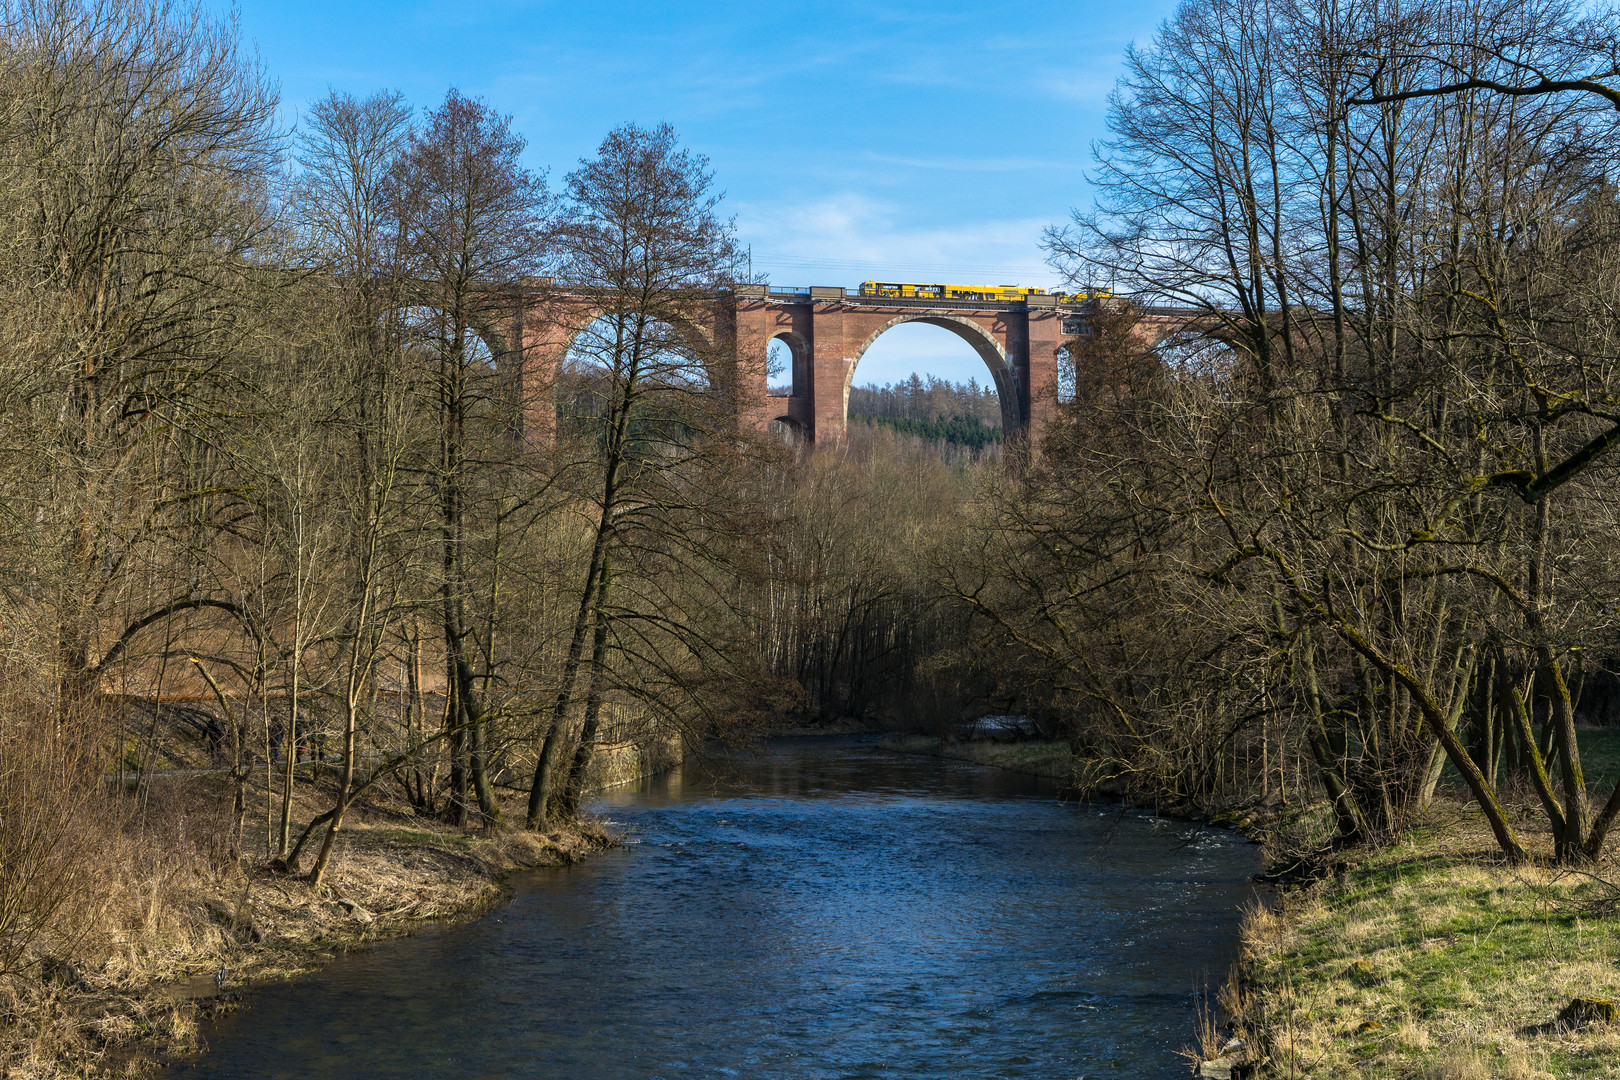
[[913, 291]]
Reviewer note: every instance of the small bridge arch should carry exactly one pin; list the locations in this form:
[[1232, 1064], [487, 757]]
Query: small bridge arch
[[798, 358]]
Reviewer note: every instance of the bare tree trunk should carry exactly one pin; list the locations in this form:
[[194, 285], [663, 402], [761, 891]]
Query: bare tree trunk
[[568, 804], [540, 789], [345, 787]]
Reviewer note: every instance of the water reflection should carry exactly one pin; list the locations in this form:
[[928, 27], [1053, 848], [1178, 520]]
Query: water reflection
[[823, 910]]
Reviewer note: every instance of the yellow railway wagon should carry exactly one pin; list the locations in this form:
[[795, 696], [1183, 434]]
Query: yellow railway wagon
[[914, 291]]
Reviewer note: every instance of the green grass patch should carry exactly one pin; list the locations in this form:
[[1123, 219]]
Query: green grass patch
[[1600, 762], [1600, 757], [1432, 959]]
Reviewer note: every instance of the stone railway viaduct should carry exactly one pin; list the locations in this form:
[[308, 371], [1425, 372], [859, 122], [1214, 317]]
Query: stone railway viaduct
[[827, 330]]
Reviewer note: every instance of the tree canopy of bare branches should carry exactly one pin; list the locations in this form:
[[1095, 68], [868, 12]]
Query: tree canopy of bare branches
[[1386, 430]]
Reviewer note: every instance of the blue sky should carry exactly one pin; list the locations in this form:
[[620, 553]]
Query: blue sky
[[909, 141]]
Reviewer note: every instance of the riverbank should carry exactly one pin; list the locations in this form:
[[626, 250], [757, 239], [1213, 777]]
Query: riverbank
[[1431, 959], [153, 957]]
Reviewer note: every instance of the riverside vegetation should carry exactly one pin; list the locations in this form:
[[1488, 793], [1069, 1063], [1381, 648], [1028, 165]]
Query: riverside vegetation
[[305, 638], [1352, 533]]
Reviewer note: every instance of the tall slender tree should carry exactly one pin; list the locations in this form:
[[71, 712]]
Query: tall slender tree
[[642, 237], [471, 227]]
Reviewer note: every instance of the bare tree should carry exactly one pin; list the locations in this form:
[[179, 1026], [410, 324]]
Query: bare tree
[[141, 146], [651, 392], [1395, 319], [470, 221]]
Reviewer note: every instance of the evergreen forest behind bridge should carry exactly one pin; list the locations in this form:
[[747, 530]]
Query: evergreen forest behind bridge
[[960, 417]]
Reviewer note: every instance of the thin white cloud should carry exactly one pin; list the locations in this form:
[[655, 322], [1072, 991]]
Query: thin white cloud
[[851, 237], [1089, 88]]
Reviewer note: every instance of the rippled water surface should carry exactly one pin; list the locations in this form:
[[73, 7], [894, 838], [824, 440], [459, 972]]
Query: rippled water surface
[[823, 909]]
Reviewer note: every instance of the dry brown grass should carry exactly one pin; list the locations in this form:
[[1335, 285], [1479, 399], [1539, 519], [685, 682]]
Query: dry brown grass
[[126, 967]]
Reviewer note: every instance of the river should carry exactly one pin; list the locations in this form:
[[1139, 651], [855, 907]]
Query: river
[[822, 909]]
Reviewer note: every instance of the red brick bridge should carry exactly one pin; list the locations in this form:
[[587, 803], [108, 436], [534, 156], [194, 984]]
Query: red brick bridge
[[827, 329]]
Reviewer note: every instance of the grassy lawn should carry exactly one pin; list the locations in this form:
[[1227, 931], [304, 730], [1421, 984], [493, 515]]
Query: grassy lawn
[[1600, 757], [1432, 959]]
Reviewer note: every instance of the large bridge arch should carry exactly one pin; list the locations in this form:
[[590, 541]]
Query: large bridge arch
[[549, 326], [417, 319], [698, 339], [491, 349], [982, 342]]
